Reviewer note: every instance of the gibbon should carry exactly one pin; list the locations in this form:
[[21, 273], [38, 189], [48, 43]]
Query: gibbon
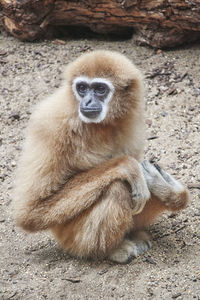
[[82, 174]]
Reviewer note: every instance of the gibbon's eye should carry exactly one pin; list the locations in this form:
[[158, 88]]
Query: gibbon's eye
[[82, 88], [100, 89]]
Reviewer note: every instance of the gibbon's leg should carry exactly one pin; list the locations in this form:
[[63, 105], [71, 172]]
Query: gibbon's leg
[[100, 228], [166, 194], [103, 229]]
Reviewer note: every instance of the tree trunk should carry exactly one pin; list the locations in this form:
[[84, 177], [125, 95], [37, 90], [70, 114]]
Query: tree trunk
[[158, 23]]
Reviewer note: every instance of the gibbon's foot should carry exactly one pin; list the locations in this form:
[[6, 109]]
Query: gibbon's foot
[[129, 249], [156, 176], [165, 187]]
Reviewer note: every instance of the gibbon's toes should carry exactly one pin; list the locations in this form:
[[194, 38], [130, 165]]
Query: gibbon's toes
[[150, 169], [149, 172], [155, 176], [128, 250], [146, 165], [164, 174], [157, 167]]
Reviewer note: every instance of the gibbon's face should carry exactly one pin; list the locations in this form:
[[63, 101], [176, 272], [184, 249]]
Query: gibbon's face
[[106, 86], [94, 95]]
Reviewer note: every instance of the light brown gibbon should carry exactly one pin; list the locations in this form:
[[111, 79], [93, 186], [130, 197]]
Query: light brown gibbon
[[82, 174]]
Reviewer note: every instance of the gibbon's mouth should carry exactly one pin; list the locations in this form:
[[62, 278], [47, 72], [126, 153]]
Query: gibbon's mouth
[[91, 113]]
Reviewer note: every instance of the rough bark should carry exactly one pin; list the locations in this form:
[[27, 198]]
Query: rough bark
[[159, 23]]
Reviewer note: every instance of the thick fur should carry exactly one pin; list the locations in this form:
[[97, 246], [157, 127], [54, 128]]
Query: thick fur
[[84, 181]]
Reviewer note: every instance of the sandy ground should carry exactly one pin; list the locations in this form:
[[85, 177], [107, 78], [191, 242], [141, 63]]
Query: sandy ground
[[33, 266]]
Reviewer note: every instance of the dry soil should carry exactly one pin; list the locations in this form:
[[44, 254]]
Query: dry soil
[[33, 266]]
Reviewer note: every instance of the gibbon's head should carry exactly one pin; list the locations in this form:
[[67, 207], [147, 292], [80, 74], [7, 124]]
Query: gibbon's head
[[105, 86]]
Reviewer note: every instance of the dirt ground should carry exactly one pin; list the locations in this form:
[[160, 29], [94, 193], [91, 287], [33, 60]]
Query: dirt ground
[[33, 266]]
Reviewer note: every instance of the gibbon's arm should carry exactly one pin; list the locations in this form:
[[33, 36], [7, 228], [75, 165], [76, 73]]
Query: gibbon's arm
[[46, 195]]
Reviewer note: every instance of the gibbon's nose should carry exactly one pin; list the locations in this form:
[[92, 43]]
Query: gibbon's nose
[[88, 102]]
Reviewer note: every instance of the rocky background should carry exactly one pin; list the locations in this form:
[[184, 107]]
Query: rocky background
[[33, 266]]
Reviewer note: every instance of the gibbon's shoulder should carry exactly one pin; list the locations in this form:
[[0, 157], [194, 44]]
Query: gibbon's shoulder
[[51, 106], [52, 111], [51, 118]]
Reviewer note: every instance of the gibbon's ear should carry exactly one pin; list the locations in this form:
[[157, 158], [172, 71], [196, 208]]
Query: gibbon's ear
[[130, 83]]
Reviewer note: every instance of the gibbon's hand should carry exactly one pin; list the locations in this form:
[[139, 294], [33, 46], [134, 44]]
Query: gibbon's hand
[[139, 190], [140, 194]]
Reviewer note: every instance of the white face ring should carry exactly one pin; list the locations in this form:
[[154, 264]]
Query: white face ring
[[105, 103]]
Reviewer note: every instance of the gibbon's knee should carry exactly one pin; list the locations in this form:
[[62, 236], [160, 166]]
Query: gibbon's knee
[[156, 206], [99, 229], [153, 208]]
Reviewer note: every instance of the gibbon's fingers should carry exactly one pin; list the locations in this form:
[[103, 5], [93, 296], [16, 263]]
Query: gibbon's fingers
[[140, 193]]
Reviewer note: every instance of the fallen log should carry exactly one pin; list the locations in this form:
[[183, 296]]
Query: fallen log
[[158, 23]]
